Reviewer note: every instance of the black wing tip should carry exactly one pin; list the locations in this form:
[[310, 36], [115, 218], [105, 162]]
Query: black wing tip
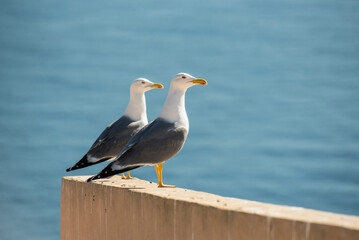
[[105, 173], [83, 163], [90, 179], [75, 167], [98, 176], [80, 164]]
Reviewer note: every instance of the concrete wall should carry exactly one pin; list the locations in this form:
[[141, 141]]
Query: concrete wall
[[136, 209]]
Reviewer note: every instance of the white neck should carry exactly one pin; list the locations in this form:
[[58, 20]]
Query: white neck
[[136, 108], [173, 109]]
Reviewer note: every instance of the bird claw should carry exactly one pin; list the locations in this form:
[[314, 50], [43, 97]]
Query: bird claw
[[166, 186]]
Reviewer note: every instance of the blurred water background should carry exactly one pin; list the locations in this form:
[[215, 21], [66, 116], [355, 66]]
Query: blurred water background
[[278, 122]]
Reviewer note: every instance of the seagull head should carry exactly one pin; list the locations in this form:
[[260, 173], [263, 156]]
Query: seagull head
[[185, 80], [142, 85]]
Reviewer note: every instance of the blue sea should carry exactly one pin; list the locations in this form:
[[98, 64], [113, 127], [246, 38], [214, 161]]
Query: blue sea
[[278, 121]]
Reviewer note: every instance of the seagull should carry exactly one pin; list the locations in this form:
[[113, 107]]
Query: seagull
[[114, 138], [161, 139]]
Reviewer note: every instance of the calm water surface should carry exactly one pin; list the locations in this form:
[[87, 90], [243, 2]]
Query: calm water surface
[[278, 122]]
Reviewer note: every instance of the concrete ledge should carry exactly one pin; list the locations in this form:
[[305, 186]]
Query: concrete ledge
[[137, 209]]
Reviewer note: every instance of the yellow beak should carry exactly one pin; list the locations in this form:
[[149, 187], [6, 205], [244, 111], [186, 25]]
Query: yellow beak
[[156, 85], [199, 81]]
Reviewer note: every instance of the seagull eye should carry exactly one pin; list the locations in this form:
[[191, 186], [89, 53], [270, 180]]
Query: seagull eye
[[184, 77], [143, 82]]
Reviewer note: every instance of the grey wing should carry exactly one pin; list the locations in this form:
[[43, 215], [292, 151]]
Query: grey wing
[[156, 143], [119, 123], [114, 138], [138, 136]]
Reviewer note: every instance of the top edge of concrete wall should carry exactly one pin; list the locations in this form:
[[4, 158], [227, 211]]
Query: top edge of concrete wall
[[230, 204]]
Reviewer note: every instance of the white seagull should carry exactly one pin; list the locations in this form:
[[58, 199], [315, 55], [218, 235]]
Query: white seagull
[[114, 138]]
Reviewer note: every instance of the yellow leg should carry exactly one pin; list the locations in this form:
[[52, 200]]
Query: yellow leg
[[129, 176], [159, 168], [123, 176], [157, 172]]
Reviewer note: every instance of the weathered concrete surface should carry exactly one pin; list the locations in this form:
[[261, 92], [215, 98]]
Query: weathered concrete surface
[[136, 209]]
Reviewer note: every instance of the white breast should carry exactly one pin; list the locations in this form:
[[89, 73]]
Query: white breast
[[174, 109]]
